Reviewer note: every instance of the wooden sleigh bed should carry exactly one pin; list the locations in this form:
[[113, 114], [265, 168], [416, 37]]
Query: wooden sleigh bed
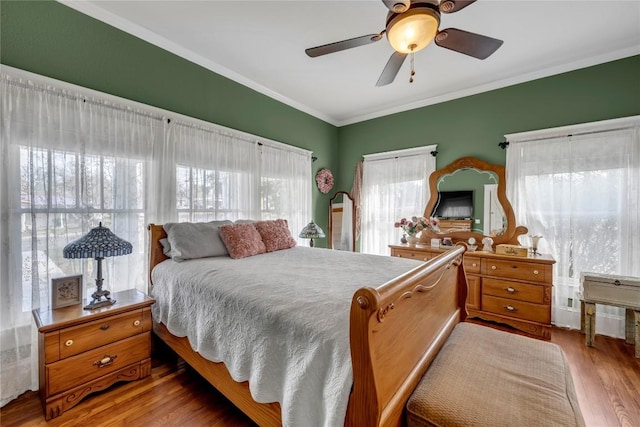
[[396, 331]]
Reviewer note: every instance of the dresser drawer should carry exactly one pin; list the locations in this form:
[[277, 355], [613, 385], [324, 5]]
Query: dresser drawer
[[517, 270], [84, 367], [419, 255], [513, 290], [518, 309], [94, 334], [471, 265]]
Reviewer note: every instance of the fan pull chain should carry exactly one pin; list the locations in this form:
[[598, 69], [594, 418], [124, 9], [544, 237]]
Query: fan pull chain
[[413, 71]]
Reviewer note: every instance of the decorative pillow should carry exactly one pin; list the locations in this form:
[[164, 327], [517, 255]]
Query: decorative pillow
[[191, 240], [242, 240], [275, 234]]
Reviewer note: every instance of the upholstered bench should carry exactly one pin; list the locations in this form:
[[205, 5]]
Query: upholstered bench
[[486, 377]]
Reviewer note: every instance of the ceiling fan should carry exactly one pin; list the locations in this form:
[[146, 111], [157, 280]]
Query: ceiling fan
[[410, 26]]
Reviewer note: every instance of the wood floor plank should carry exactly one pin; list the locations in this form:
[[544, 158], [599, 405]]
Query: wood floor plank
[[606, 377]]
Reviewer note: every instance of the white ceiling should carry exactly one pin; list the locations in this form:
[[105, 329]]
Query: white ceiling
[[261, 44]]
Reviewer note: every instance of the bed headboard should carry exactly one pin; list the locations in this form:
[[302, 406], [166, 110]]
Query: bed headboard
[[156, 256]]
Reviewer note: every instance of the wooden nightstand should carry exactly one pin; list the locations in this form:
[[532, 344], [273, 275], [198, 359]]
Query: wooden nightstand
[[82, 351]]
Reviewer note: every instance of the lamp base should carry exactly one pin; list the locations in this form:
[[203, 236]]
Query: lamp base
[[97, 304], [96, 301]]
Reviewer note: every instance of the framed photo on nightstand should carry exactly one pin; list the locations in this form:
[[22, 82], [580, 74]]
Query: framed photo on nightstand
[[66, 291]]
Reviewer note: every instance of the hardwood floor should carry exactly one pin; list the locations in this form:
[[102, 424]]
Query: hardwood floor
[[606, 377]]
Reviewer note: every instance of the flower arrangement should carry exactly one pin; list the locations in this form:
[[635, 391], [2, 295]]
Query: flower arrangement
[[417, 224]]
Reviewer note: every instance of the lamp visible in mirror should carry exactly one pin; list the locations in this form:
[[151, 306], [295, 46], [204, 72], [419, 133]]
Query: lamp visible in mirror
[[98, 243], [342, 222], [311, 231]]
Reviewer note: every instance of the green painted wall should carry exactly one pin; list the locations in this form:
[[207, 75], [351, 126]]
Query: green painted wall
[[473, 126], [50, 39]]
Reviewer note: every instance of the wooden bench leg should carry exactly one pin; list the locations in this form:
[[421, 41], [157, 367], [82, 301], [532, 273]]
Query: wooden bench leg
[[637, 328], [629, 326], [589, 323]]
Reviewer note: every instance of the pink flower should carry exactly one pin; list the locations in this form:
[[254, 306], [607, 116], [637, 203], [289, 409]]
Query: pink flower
[[417, 224]]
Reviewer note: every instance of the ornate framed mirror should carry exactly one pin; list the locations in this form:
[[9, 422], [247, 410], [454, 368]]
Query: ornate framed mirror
[[342, 227], [469, 197]]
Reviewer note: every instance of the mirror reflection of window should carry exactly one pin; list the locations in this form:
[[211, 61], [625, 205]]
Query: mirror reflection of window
[[341, 224]]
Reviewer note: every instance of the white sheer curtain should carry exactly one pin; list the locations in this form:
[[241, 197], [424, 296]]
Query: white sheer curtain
[[394, 185], [70, 162], [579, 187], [284, 187], [71, 158]]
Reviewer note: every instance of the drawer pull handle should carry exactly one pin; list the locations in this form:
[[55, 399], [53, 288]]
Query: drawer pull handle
[[68, 343], [510, 308], [104, 327], [493, 267], [536, 272], [474, 265], [425, 259], [136, 323], [105, 361], [510, 290]]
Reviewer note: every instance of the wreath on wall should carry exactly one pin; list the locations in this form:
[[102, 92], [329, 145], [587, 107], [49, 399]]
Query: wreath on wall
[[324, 180]]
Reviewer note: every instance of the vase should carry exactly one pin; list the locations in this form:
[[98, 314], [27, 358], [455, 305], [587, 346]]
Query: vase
[[412, 239]]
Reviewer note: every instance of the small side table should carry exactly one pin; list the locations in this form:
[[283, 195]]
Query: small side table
[[84, 351], [588, 321]]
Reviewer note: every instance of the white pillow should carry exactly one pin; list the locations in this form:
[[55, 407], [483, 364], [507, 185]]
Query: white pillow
[[166, 247], [245, 221], [190, 240]]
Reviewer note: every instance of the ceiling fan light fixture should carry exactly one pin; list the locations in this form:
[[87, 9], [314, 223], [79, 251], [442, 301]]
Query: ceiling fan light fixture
[[413, 30]]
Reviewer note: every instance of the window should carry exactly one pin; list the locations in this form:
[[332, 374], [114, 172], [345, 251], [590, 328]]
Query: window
[[63, 195], [580, 189], [394, 185], [71, 158]]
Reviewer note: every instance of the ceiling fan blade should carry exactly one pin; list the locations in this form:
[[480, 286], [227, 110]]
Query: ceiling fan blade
[[391, 69], [343, 45], [471, 44], [451, 6]]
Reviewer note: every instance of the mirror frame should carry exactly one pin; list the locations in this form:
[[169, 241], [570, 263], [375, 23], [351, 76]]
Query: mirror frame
[[353, 222], [510, 235]]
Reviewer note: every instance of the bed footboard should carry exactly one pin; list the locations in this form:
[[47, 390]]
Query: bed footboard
[[396, 332]]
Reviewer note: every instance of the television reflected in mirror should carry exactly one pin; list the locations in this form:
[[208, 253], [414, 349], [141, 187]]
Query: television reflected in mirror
[[454, 205]]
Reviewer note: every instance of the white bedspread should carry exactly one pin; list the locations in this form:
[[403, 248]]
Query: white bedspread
[[278, 320]]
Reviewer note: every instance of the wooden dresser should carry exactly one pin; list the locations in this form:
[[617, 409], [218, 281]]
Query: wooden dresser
[[82, 351], [512, 290]]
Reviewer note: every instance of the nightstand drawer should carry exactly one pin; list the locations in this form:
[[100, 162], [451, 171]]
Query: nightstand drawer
[[513, 290], [517, 270], [95, 334], [93, 364], [519, 309]]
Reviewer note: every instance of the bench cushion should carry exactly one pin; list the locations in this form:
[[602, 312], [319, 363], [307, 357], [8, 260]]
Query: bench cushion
[[486, 377]]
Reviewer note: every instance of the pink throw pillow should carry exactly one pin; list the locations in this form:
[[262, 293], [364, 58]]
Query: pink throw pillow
[[275, 235], [242, 240]]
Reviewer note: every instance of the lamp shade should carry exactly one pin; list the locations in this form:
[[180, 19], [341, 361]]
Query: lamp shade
[[100, 242], [413, 30], [311, 231]]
